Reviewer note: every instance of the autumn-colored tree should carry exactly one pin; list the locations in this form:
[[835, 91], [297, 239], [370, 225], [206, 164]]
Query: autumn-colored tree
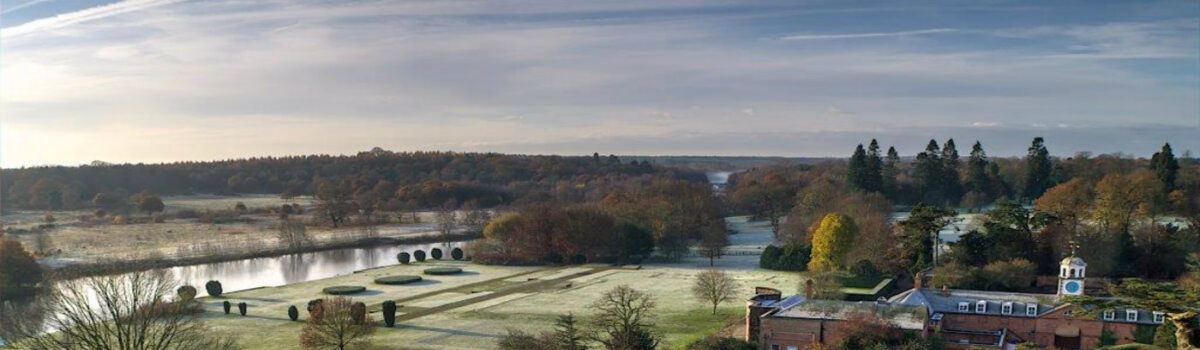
[[332, 324], [1069, 202], [831, 241], [148, 203], [715, 287]]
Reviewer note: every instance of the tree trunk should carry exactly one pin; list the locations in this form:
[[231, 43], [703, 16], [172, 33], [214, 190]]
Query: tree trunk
[[1187, 329]]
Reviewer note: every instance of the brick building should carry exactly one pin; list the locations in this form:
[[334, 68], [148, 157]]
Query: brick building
[[964, 318]]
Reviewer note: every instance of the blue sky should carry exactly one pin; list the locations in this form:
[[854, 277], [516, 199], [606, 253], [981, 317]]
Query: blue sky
[[163, 80]]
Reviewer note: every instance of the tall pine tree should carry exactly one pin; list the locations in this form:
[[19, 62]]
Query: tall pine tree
[[856, 171], [977, 171], [891, 168], [1165, 167], [874, 173], [1037, 170], [951, 185], [930, 173]]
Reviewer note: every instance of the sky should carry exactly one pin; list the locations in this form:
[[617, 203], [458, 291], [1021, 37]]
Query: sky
[[168, 80]]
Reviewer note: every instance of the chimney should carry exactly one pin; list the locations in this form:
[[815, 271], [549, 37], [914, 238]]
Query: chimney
[[919, 281], [808, 289]]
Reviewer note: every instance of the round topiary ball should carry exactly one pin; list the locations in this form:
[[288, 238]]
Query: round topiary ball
[[226, 305], [313, 304], [293, 313], [435, 253], [213, 288], [389, 313], [242, 308], [404, 258], [443, 271], [419, 255], [456, 253], [186, 293], [400, 279], [344, 290], [358, 312]]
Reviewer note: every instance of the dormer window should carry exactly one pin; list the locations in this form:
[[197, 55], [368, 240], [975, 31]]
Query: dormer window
[[1131, 315], [1110, 315], [1006, 308], [1031, 310], [981, 307], [1159, 317], [964, 307]]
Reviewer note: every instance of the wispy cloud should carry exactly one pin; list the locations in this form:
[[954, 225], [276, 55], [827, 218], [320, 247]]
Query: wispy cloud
[[90, 14], [869, 35]]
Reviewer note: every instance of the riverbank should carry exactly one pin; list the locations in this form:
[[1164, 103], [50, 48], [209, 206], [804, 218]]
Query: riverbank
[[102, 268]]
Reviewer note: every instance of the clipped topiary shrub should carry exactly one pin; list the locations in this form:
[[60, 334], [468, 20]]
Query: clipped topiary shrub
[[389, 313], [344, 290], [242, 308], [419, 255], [186, 293], [313, 304], [400, 279], [443, 271], [456, 253], [358, 312], [404, 258], [213, 288], [435, 253], [227, 306], [293, 313]]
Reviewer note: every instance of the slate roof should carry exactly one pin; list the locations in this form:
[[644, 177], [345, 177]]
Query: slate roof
[[936, 302]]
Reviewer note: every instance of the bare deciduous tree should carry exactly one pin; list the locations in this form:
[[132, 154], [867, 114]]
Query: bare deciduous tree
[[293, 234], [623, 319], [124, 312], [715, 286], [447, 218], [333, 325]]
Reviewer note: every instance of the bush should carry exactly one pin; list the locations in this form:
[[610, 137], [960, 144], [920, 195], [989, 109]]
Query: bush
[[344, 290], [242, 308], [227, 306], [864, 268], [792, 257], [396, 280], [721, 343], [213, 288], [186, 293], [293, 313], [403, 257], [313, 304], [443, 271], [435, 253], [389, 313], [419, 255], [456, 253], [358, 312]]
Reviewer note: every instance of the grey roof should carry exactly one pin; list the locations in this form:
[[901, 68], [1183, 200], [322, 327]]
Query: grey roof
[[903, 316], [935, 301]]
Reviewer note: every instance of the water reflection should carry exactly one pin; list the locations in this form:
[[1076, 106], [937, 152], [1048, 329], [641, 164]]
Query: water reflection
[[21, 314]]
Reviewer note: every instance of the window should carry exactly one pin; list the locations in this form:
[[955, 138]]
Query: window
[[1031, 310], [774, 346], [964, 307], [1110, 315], [1131, 315], [981, 307], [1159, 317], [1006, 308]]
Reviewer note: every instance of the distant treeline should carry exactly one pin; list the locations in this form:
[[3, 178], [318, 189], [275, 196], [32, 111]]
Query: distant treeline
[[377, 178]]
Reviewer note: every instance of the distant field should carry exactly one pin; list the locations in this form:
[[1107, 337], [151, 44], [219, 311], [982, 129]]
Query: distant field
[[82, 237], [526, 298]]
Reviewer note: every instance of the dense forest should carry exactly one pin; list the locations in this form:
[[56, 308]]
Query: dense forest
[[1127, 216], [377, 178]]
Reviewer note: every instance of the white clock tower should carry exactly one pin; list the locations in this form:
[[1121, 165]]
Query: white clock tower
[[1071, 275]]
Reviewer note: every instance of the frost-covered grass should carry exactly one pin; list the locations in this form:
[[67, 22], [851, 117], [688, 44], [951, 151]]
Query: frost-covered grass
[[678, 316]]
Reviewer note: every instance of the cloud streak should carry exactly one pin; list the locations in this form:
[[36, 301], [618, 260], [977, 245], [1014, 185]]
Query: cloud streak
[[869, 35]]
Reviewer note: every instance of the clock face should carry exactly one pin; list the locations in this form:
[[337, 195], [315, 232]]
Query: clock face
[[1072, 287]]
